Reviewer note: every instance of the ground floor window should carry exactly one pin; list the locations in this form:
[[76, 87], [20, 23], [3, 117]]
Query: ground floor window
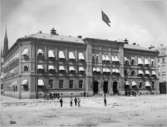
[[61, 84], [70, 83], [50, 83], [25, 87], [80, 84]]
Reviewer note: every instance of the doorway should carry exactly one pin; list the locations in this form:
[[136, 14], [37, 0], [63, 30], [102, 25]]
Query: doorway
[[105, 87], [115, 89], [95, 87], [162, 88]]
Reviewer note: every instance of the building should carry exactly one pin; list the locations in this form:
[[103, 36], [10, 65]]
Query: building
[[140, 69], [41, 63], [162, 63]]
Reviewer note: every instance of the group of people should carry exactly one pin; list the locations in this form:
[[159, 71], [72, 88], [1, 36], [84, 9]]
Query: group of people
[[76, 101]]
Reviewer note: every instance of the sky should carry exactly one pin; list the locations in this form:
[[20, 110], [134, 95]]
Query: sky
[[140, 21]]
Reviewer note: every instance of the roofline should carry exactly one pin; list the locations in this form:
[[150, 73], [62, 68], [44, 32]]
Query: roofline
[[147, 50]]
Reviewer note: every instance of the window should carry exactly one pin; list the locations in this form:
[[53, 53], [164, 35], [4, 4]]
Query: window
[[25, 87], [133, 73], [97, 59], [71, 84], [50, 83], [60, 84], [125, 72], [25, 68], [93, 59], [140, 85], [163, 60], [132, 62], [80, 84]]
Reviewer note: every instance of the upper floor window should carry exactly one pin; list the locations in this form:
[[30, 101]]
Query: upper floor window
[[51, 54], [61, 55], [40, 68], [132, 61], [81, 56], [61, 84], [40, 54], [71, 55], [50, 82], [163, 60], [25, 68], [70, 83], [132, 73], [25, 53], [80, 84]]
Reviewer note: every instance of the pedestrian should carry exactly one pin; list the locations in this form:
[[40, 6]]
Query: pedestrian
[[105, 101], [75, 100], [79, 102], [71, 102], [61, 102]]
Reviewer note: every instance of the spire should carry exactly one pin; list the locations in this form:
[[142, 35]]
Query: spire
[[5, 45]]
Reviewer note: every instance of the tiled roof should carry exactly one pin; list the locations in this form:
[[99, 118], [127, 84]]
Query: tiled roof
[[137, 47], [56, 38]]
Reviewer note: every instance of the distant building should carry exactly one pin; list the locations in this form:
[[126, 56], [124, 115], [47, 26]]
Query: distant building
[[162, 63], [50, 63]]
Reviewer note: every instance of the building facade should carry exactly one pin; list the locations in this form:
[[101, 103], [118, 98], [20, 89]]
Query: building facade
[[162, 65], [51, 63]]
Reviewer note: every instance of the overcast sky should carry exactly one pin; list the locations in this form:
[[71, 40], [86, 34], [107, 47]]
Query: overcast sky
[[140, 21]]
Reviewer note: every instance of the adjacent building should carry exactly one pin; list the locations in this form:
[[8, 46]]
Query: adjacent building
[[50, 63]]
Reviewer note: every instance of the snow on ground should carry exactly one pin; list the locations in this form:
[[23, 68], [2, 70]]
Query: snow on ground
[[139, 111]]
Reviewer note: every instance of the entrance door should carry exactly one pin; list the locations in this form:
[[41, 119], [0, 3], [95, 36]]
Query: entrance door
[[95, 87], [105, 87], [115, 89], [162, 87]]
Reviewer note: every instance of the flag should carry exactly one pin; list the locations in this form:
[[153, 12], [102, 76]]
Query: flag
[[105, 18]]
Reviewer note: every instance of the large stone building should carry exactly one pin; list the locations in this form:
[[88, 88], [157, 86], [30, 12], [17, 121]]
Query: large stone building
[[50, 63], [162, 65]]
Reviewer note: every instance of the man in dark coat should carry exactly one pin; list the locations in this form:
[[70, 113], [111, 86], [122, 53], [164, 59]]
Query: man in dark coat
[[75, 100], [61, 102]]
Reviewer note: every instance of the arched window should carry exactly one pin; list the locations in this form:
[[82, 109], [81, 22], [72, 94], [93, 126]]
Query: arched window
[[26, 68], [132, 73]]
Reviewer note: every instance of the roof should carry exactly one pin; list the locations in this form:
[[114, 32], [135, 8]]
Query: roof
[[137, 47], [62, 38]]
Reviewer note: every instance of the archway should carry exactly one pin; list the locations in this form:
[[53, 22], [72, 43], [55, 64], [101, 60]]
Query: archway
[[115, 89], [105, 87], [95, 87]]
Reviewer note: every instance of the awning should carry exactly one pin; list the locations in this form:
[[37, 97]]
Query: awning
[[25, 51], [14, 83], [24, 82], [71, 55], [147, 83], [51, 54], [115, 71], [40, 51], [61, 68], [61, 55], [40, 82], [140, 72], [115, 59], [134, 83], [107, 70], [40, 67], [96, 69], [153, 73], [126, 59], [147, 72], [81, 68], [51, 67], [140, 61], [81, 56], [71, 68], [105, 58], [146, 62], [127, 83]]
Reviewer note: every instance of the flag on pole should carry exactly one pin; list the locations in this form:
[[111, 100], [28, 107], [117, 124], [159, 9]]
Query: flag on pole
[[105, 18]]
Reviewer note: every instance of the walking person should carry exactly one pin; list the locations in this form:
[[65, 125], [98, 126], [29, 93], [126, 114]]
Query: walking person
[[61, 102], [105, 101], [75, 101], [71, 102], [79, 102]]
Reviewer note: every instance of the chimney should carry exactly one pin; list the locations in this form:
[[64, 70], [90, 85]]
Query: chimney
[[53, 31], [126, 41]]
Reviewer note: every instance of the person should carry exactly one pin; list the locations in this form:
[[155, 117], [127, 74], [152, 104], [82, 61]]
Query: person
[[79, 102], [61, 102], [105, 101], [75, 100], [71, 102]]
